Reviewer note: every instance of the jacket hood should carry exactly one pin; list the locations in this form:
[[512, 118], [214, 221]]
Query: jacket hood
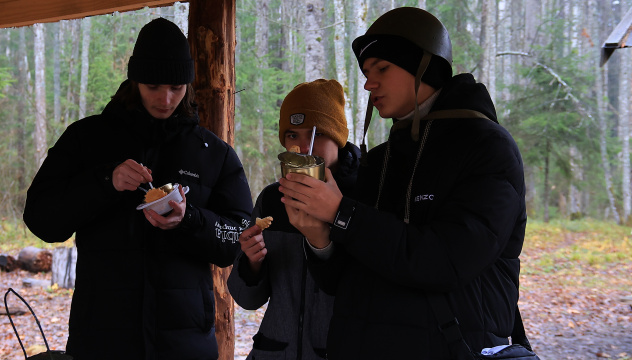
[[463, 92]]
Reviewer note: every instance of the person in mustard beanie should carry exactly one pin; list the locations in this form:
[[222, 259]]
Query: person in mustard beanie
[[319, 103], [271, 267], [144, 288], [439, 216]]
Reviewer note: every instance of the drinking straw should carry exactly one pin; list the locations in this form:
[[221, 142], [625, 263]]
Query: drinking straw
[[311, 144]]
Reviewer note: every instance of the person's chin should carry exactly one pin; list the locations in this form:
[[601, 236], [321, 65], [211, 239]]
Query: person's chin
[[161, 115], [384, 114]]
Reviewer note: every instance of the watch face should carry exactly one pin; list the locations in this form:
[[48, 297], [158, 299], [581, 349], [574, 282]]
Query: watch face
[[340, 223], [343, 217]]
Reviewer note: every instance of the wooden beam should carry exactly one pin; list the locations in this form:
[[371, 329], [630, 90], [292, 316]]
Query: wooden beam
[[212, 41], [16, 13], [618, 38]]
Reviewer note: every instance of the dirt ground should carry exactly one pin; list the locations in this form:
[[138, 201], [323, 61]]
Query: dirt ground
[[52, 309], [578, 323]]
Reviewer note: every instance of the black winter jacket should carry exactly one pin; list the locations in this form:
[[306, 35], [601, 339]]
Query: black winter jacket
[[140, 292], [297, 316], [467, 222]]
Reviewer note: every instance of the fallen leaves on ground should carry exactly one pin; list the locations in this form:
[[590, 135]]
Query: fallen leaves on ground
[[52, 308], [573, 308]]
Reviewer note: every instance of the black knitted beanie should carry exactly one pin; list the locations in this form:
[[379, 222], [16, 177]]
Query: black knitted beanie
[[403, 53], [161, 55]]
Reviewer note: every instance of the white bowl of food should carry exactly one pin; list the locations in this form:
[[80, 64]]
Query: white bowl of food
[[157, 199]]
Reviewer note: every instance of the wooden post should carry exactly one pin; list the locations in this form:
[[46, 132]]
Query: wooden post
[[212, 41]]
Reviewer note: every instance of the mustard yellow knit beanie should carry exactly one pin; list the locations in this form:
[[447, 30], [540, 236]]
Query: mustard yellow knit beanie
[[321, 103]]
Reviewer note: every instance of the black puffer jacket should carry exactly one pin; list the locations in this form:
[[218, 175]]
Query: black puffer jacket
[[297, 317], [141, 292], [467, 223]]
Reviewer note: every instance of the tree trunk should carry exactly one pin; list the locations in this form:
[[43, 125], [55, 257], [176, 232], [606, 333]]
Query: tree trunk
[[340, 50], [8, 263], [624, 133], [40, 94], [547, 187], [290, 12], [35, 260], [238, 49], [362, 96], [513, 38], [86, 24], [577, 177], [63, 267], [601, 92], [181, 16], [74, 56], [212, 40], [22, 85], [314, 48], [488, 44], [58, 38], [261, 45]]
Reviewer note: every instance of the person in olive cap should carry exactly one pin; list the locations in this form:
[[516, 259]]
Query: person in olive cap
[[272, 266], [143, 287], [440, 211]]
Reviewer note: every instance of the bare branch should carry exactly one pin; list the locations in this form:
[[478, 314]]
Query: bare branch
[[509, 52]]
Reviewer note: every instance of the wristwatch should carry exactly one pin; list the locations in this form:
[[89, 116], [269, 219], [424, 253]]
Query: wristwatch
[[345, 212]]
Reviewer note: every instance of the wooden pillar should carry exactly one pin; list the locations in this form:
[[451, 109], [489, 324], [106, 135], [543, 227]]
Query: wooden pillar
[[212, 41]]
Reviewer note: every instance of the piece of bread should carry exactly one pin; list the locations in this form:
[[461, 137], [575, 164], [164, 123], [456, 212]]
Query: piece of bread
[[154, 194], [264, 223]]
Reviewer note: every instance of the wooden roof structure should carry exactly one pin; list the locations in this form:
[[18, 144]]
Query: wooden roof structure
[[16, 13], [212, 41], [618, 38]]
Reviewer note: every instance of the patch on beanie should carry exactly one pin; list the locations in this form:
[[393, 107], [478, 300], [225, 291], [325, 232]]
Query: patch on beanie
[[297, 119]]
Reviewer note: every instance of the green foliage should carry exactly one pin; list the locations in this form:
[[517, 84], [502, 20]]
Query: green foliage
[[575, 245], [552, 115], [262, 83], [111, 40], [6, 79], [455, 16], [16, 237], [550, 108]]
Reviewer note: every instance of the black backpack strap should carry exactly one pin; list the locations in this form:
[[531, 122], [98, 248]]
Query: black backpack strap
[[518, 335], [455, 114], [449, 326], [367, 122]]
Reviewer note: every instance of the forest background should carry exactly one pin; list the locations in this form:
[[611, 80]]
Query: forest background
[[540, 60]]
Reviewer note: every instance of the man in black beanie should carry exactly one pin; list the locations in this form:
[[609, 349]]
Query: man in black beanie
[[161, 55], [440, 212], [144, 289]]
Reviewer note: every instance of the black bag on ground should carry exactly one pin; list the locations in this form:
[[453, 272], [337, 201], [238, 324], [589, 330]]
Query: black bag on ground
[[49, 354], [513, 352], [520, 349]]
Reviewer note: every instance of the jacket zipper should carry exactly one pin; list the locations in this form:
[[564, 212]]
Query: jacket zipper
[[299, 345]]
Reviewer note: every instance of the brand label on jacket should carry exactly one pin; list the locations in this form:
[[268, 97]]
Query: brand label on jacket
[[424, 197], [185, 172], [227, 232]]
